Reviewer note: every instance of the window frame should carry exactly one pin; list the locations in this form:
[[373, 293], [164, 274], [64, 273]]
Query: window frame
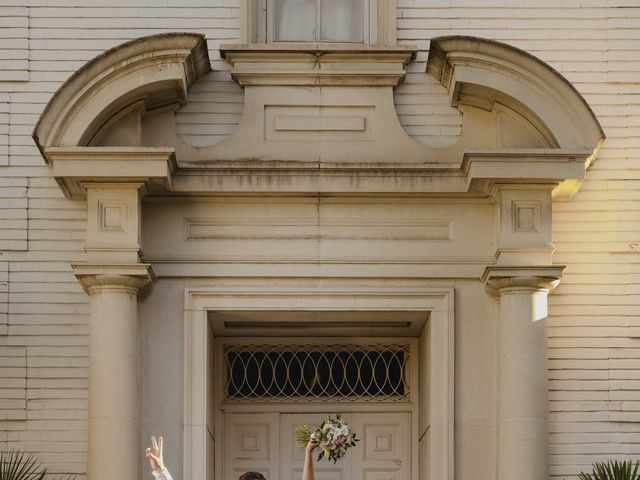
[[257, 23]]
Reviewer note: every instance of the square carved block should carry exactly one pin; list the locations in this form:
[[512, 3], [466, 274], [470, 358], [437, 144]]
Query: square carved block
[[112, 215], [383, 442], [249, 442], [526, 216], [252, 441]]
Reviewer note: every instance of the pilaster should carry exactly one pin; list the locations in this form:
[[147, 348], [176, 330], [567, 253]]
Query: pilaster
[[114, 182], [522, 397], [114, 413]]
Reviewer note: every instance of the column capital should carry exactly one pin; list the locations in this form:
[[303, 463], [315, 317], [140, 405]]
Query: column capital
[[133, 278], [500, 279]]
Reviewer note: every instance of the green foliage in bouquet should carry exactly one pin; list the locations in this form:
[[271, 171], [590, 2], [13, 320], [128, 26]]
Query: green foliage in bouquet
[[14, 466], [302, 434], [613, 470]]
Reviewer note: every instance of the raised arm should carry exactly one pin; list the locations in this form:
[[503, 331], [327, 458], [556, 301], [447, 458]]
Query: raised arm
[[154, 454], [307, 470]]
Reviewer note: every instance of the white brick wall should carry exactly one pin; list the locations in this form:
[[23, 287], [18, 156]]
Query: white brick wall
[[13, 212], [13, 392], [4, 298], [4, 129], [595, 314], [14, 43]]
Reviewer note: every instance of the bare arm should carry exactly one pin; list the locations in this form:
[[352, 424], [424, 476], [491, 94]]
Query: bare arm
[[307, 470]]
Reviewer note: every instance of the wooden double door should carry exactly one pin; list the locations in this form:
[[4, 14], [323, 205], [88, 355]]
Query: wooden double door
[[264, 442]]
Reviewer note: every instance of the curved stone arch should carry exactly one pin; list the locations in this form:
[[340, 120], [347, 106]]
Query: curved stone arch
[[155, 71], [503, 92], [481, 72]]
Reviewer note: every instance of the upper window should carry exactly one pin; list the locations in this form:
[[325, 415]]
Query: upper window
[[318, 21], [330, 21]]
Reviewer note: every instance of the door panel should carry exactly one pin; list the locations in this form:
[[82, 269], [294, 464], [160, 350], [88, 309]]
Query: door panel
[[265, 443], [384, 451], [251, 443], [292, 453]]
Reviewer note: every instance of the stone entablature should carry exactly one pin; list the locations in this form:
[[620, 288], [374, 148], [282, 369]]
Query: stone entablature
[[322, 118]]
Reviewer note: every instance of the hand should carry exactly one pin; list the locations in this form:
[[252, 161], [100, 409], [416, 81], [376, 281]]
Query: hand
[[154, 454], [311, 446]]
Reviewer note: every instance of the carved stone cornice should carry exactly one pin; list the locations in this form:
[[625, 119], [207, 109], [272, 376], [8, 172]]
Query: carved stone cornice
[[317, 64], [485, 170], [499, 280], [76, 167], [134, 278]]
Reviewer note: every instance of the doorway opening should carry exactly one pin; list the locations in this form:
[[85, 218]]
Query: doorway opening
[[348, 310], [266, 386]]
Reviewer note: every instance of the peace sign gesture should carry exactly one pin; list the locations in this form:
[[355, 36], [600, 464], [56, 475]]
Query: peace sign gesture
[[154, 454]]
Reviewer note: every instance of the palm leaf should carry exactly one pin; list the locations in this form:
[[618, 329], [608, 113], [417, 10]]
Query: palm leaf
[[14, 466], [302, 434], [613, 470]]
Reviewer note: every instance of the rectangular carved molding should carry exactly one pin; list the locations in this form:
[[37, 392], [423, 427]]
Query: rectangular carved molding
[[112, 215], [319, 123], [526, 216], [305, 228], [293, 122]]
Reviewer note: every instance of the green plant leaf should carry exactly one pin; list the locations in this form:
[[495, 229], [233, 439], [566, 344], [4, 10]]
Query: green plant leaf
[[613, 470], [14, 466]]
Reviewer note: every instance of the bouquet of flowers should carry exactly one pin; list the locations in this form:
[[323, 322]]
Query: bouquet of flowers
[[333, 437]]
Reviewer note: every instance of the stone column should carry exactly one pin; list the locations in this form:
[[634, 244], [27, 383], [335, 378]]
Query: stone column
[[115, 450], [522, 400]]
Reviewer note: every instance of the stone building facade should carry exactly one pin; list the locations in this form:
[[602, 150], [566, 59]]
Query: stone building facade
[[223, 218]]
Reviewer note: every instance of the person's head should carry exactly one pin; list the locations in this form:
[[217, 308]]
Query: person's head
[[252, 476]]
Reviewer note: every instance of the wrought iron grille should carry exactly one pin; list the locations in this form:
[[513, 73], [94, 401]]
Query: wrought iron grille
[[338, 372]]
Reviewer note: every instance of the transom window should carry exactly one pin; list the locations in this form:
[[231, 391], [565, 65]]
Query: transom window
[[339, 372]]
